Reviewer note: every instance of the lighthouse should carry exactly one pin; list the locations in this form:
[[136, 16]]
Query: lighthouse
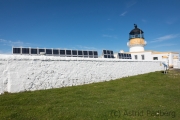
[[136, 40]]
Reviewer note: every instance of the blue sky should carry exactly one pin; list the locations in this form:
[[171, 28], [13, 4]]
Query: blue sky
[[88, 24]]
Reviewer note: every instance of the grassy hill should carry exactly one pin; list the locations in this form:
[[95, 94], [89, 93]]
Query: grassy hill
[[143, 97]]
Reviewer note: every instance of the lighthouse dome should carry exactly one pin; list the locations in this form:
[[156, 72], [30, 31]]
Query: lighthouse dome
[[136, 33]]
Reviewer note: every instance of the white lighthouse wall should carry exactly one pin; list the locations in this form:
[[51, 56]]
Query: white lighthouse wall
[[29, 73], [137, 48]]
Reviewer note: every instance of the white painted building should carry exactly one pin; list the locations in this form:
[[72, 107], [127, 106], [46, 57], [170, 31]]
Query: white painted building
[[136, 49]]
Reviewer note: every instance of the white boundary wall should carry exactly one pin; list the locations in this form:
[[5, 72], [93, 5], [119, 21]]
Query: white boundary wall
[[27, 73], [178, 64]]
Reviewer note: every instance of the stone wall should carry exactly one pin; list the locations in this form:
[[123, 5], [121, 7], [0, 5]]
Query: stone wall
[[28, 73]]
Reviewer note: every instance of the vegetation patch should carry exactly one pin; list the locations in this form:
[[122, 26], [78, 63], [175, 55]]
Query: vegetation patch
[[146, 97]]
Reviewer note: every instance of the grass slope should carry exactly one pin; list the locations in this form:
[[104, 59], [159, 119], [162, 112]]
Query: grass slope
[[146, 97]]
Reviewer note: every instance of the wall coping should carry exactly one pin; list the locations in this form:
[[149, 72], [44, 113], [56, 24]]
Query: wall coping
[[8, 57]]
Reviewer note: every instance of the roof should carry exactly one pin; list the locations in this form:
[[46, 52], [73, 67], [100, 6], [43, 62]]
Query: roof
[[136, 30], [154, 52]]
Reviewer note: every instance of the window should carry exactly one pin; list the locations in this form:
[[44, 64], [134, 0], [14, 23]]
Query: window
[[68, 52], [25, 50], [16, 50], [132, 36], [155, 58], [95, 53], [62, 52], [33, 51], [55, 52], [125, 56], [80, 52], [104, 51], [74, 52], [142, 57], [41, 50], [120, 55], [130, 56], [85, 52], [48, 51], [107, 54], [90, 53], [136, 57]]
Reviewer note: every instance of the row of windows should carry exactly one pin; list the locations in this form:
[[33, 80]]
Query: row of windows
[[124, 56], [136, 36], [136, 57], [55, 52], [143, 58], [75, 53], [107, 54]]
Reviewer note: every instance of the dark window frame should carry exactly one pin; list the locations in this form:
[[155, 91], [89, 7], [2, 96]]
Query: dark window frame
[[90, 53], [25, 51], [155, 58], [136, 57], [16, 50], [68, 52], [49, 51], [55, 52], [62, 52], [41, 50], [74, 52], [143, 57], [34, 51]]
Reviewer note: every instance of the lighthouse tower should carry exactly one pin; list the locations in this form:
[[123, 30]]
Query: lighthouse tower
[[136, 40]]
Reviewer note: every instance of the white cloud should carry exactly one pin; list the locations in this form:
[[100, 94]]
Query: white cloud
[[166, 37], [106, 36], [124, 13], [13, 43], [81, 47], [171, 21], [131, 3], [144, 21], [110, 36], [128, 6]]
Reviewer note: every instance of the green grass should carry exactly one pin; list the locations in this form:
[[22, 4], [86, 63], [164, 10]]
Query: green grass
[[116, 99]]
